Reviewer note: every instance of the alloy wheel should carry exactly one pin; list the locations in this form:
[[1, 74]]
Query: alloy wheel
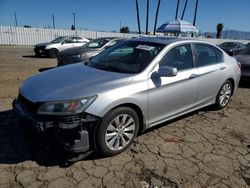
[[120, 132], [225, 94]]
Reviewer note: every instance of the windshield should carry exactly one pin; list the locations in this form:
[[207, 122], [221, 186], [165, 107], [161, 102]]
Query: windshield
[[228, 44], [57, 40], [97, 43], [128, 57], [246, 51]]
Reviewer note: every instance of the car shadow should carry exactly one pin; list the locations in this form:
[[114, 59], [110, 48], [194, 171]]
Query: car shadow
[[34, 56], [18, 145], [244, 83], [45, 69]]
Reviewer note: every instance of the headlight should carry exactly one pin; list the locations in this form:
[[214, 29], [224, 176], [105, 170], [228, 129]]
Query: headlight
[[78, 56], [65, 107]]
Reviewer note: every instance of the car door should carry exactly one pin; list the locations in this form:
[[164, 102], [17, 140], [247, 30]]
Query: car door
[[67, 43], [210, 65], [78, 41], [170, 96]]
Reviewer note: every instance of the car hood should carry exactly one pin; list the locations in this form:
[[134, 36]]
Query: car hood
[[227, 49], [71, 82], [42, 44]]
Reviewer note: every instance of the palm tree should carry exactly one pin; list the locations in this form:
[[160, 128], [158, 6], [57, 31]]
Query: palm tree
[[138, 17], [156, 15], [184, 9], [177, 8], [219, 30], [195, 12], [147, 17]]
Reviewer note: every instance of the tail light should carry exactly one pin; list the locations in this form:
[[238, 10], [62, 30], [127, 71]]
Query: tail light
[[239, 65]]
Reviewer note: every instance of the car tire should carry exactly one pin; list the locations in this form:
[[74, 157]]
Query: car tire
[[38, 54], [117, 131], [224, 95], [53, 53]]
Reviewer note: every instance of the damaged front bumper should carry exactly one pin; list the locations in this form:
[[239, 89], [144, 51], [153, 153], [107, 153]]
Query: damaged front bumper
[[75, 133]]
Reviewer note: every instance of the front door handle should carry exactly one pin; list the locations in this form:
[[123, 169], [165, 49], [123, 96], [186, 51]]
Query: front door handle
[[192, 76], [222, 68]]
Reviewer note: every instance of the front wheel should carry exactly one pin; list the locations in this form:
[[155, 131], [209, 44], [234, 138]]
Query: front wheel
[[117, 131], [53, 53], [224, 95]]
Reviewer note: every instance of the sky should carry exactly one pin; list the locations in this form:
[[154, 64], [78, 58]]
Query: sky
[[106, 15]]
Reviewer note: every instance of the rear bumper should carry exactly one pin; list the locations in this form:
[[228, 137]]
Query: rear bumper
[[74, 133]]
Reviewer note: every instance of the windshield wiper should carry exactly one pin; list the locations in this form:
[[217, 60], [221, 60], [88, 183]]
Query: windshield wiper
[[98, 66]]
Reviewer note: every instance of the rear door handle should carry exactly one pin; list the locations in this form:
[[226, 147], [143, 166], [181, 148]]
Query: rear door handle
[[192, 76], [222, 68]]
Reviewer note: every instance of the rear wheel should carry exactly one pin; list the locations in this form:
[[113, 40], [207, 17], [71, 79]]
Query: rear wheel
[[53, 53], [117, 131], [224, 95]]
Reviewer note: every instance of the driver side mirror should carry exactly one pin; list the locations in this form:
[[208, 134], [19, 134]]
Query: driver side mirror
[[167, 71]]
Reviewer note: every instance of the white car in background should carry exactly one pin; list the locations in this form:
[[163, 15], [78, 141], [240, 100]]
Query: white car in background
[[53, 48]]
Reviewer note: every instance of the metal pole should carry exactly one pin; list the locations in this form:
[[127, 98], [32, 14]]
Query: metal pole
[[53, 19], [184, 9], [74, 14], [147, 17], [156, 15], [177, 8], [138, 17], [15, 19]]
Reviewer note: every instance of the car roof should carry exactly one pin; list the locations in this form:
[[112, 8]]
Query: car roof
[[160, 40], [107, 38], [234, 42]]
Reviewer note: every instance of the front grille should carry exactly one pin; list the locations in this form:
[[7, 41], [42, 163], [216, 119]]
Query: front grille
[[40, 47], [72, 119], [29, 105]]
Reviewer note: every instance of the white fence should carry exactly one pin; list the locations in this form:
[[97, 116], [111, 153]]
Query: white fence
[[10, 35]]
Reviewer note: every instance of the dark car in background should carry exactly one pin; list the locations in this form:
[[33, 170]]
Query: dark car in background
[[244, 58], [83, 53], [232, 48]]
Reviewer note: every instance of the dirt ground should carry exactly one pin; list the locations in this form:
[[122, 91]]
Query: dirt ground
[[207, 148]]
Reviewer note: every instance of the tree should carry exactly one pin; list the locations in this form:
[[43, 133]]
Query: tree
[[195, 14], [72, 27], [138, 17], [124, 30], [156, 15], [219, 30], [177, 8], [184, 9]]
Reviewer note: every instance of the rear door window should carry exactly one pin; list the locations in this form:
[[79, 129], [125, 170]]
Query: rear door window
[[206, 55]]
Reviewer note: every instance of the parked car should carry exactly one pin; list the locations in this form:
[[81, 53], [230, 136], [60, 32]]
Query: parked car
[[79, 54], [232, 48], [52, 48], [104, 103], [244, 58]]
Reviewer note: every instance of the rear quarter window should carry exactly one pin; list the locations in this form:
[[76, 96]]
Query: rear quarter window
[[220, 55]]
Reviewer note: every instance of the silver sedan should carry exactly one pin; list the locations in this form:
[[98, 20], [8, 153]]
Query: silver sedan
[[104, 103]]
